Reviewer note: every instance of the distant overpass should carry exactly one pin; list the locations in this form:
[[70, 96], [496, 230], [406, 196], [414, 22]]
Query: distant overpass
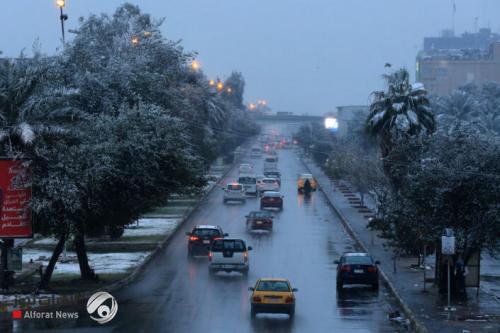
[[289, 118]]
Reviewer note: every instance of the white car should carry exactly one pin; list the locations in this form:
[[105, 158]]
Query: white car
[[270, 163], [228, 254], [256, 152], [249, 182], [269, 184], [234, 192], [245, 168]]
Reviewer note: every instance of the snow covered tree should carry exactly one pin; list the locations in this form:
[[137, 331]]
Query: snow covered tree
[[402, 111]]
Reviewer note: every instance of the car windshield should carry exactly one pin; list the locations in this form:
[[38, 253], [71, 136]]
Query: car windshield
[[235, 245], [269, 181], [234, 187], [358, 260], [247, 180], [260, 214], [273, 286], [205, 232]]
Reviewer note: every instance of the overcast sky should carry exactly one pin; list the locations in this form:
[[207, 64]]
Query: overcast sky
[[300, 55]]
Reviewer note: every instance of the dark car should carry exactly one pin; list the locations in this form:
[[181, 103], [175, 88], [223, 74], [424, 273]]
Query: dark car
[[273, 174], [357, 268], [259, 220], [271, 199], [201, 238]]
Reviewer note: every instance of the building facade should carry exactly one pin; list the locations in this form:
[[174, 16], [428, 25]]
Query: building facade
[[447, 63]]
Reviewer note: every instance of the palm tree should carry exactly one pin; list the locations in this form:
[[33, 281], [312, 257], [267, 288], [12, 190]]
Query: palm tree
[[402, 111], [459, 109], [18, 82]]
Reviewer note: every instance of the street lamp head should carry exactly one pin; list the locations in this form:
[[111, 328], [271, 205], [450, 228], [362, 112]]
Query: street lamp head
[[135, 40], [195, 65], [60, 3], [229, 90], [220, 86], [211, 83]]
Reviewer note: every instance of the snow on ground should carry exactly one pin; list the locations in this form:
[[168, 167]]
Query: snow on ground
[[102, 263], [151, 227]]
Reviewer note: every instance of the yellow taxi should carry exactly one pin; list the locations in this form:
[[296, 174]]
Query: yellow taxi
[[272, 295], [302, 179]]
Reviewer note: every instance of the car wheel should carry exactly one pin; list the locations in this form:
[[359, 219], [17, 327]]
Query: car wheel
[[211, 271], [225, 201], [375, 286], [281, 207], [291, 313], [253, 313], [189, 254], [261, 207], [245, 271]]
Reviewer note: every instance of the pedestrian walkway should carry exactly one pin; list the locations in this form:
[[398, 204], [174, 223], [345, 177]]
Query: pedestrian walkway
[[481, 312]]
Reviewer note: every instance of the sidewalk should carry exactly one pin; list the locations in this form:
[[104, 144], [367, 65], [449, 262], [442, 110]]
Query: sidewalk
[[426, 310]]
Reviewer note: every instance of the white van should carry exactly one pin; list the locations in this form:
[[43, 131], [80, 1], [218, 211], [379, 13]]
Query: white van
[[270, 163], [249, 182], [234, 192], [228, 254], [256, 152]]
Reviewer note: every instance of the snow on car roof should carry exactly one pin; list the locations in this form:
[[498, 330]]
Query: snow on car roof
[[206, 226], [355, 254]]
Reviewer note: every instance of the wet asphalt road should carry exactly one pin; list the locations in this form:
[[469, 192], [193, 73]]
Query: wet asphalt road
[[174, 294]]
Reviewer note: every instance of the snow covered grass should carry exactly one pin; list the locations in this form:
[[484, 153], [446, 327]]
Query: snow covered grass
[[152, 227], [102, 263]]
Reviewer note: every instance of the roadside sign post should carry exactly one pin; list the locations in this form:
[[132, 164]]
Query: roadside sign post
[[15, 212], [448, 249]]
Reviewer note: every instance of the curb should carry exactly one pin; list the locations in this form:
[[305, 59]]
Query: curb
[[417, 325], [25, 302]]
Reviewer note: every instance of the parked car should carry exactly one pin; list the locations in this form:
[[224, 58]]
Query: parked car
[[228, 254], [245, 168], [271, 199], [271, 295], [273, 174], [302, 179], [249, 182], [270, 163], [256, 152], [259, 220], [357, 268], [269, 184], [201, 237], [234, 192]]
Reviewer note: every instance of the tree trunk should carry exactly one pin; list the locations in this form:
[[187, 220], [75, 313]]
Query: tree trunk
[[47, 275], [86, 272]]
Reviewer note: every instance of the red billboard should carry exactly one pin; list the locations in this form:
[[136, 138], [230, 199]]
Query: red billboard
[[15, 196]]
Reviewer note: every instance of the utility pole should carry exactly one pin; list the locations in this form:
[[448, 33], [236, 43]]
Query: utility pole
[[453, 17], [63, 17]]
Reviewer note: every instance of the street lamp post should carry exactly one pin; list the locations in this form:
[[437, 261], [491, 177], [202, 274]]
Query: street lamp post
[[63, 17]]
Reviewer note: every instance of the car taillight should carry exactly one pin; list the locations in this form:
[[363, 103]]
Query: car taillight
[[193, 238], [245, 256], [289, 299], [209, 256], [256, 299], [372, 269], [345, 268]]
